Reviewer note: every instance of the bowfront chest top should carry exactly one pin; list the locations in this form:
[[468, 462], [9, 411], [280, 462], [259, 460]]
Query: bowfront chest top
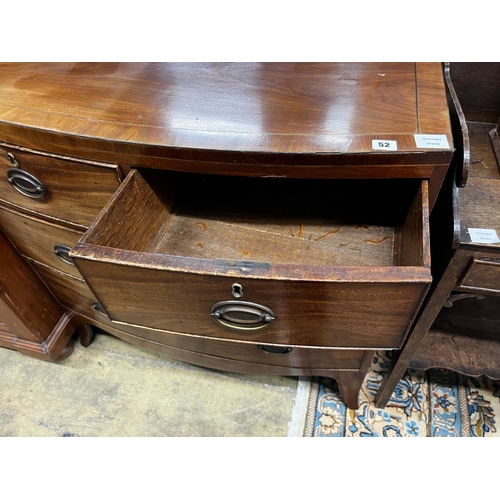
[[255, 217]]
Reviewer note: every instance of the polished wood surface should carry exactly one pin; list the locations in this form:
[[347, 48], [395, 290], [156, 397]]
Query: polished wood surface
[[348, 367], [248, 107], [70, 292], [79, 298], [36, 239], [76, 189], [35, 323], [341, 314], [33, 305], [345, 266], [299, 120]]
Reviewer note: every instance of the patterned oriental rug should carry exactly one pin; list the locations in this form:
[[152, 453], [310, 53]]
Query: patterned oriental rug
[[435, 403]]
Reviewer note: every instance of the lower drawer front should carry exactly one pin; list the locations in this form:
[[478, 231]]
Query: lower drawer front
[[40, 240], [71, 293], [341, 314], [482, 274], [77, 296], [266, 354]]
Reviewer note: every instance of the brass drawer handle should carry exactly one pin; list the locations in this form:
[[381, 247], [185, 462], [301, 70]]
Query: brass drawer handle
[[454, 297], [97, 307], [274, 349], [242, 315], [62, 251], [26, 184], [12, 160]]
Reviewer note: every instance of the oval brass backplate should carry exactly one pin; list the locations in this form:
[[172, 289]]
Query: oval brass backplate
[[241, 315], [26, 184], [62, 251]]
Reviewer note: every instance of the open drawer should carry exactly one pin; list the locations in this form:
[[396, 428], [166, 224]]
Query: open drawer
[[333, 263]]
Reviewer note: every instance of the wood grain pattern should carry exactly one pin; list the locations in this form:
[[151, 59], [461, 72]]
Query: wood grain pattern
[[35, 323], [463, 337], [478, 88], [482, 274], [480, 207], [287, 107], [284, 224], [76, 189], [300, 120], [375, 313], [134, 273], [30, 302], [415, 237], [71, 293], [343, 267], [471, 356], [78, 297], [36, 239], [482, 153]]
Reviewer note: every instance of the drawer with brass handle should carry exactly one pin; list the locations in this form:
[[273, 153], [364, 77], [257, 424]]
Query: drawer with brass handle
[[298, 265], [40, 240], [72, 293], [56, 186]]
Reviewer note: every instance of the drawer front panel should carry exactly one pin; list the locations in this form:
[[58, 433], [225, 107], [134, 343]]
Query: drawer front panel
[[77, 296], [37, 240], [71, 293], [482, 275], [75, 190], [296, 357], [361, 315]]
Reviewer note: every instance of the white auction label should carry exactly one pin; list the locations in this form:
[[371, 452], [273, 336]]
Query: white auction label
[[486, 236], [381, 144], [431, 141]]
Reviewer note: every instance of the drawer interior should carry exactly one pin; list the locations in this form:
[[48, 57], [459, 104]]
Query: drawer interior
[[268, 221]]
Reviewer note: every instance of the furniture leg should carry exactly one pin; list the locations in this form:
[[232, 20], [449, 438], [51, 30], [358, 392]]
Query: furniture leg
[[349, 386], [86, 333]]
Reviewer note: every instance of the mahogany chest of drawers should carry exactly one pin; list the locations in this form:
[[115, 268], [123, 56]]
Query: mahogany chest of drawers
[[262, 218]]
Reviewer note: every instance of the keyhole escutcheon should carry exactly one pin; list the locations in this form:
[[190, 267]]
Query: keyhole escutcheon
[[237, 290]]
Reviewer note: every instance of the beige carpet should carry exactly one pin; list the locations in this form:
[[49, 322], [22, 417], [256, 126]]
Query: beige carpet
[[114, 389]]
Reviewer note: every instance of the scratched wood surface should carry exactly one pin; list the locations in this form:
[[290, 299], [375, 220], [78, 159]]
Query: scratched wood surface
[[277, 222]]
